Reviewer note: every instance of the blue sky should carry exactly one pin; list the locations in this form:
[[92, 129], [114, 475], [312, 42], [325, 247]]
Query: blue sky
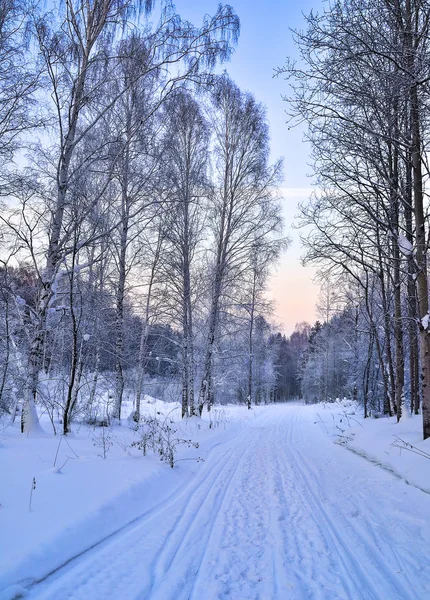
[[265, 41]]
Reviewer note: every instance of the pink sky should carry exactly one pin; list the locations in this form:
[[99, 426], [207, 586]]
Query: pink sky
[[291, 285], [252, 67]]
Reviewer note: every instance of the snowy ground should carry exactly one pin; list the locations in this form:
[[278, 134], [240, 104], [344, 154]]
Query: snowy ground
[[276, 511], [81, 503], [397, 447]]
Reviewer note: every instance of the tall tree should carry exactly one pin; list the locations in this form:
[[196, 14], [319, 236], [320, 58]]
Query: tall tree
[[78, 62], [244, 201], [18, 78], [185, 152], [363, 91]]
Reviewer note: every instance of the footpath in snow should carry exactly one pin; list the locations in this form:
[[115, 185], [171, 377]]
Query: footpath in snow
[[276, 511]]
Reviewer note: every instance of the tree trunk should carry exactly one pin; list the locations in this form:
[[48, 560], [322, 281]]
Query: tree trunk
[[421, 261], [29, 416], [387, 367], [185, 362], [250, 341], [413, 338], [206, 385], [120, 295]]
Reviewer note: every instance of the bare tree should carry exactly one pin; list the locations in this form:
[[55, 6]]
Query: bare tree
[[18, 78], [78, 62], [185, 151], [244, 200], [363, 91]]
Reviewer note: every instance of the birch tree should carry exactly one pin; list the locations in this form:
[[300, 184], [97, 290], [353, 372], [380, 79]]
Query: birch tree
[[243, 202], [78, 63], [363, 91], [18, 78], [185, 152]]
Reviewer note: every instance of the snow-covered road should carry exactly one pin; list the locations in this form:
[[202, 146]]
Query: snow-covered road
[[280, 512]]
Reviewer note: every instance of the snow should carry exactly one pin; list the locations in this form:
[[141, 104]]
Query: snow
[[425, 321], [383, 441], [276, 511], [406, 413], [405, 245], [89, 499]]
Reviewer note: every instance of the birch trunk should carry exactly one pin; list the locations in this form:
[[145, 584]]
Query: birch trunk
[[412, 299], [119, 320], [421, 261], [389, 400], [145, 329], [29, 418], [250, 341]]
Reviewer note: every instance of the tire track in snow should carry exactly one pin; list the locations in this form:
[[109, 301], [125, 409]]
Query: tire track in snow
[[236, 559], [300, 546], [342, 560], [127, 528], [375, 565], [287, 553], [227, 528], [189, 537], [381, 552], [125, 550], [314, 563]]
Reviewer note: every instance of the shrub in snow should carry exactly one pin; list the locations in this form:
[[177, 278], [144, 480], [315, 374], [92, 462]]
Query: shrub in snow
[[403, 445], [98, 422], [159, 435], [33, 487], [147, 431], [54, 466], [217, 418], [104, 440]]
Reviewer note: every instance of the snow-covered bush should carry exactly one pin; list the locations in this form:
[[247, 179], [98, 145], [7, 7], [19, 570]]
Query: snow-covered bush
[[218, 418], [158, 434]]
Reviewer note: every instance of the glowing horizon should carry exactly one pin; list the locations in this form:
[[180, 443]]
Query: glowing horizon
[[265, 41], [291, 286]]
